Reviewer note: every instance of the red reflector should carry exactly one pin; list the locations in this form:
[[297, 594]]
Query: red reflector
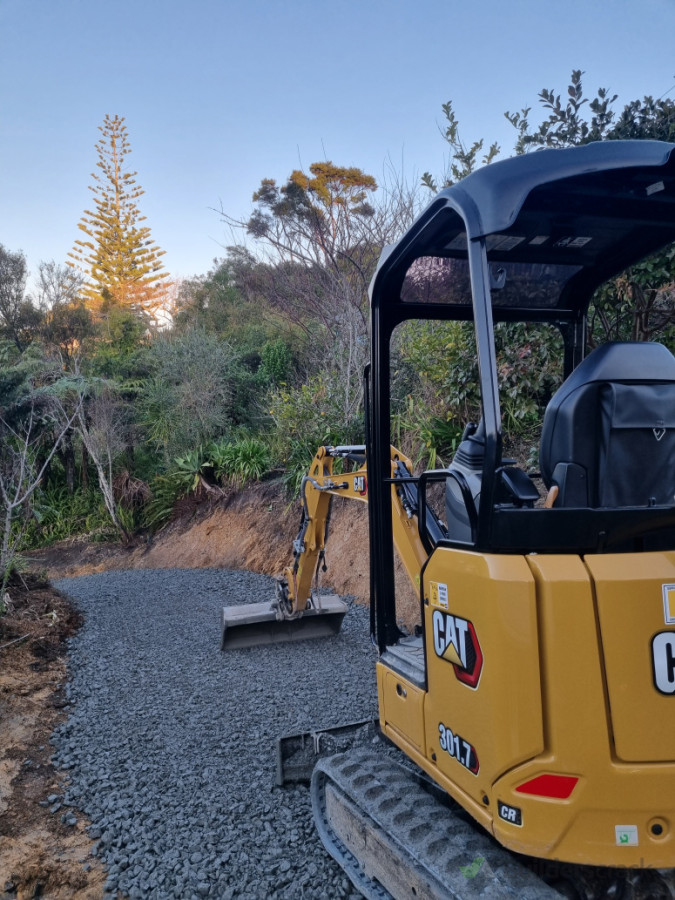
[[558, 786]]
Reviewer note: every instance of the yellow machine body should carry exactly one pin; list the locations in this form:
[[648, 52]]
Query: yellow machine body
[[546, 707]]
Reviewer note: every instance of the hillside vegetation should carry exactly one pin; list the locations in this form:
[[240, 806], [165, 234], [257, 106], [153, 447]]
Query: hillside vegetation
[[123, 392]]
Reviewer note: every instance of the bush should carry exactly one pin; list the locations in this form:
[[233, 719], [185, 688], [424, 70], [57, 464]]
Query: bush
[[306, 418], [57, 515], [238, 462], [276, 361], [432, 406], [229, 462], [188, 400]]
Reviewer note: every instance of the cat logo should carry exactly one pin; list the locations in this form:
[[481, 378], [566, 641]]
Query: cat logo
[[456, 642], [360, 485]]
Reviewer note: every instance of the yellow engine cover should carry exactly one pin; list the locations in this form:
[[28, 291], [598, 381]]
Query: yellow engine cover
[[548, 707]]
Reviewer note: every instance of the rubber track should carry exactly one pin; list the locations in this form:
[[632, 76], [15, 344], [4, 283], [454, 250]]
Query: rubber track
[[447, 848]]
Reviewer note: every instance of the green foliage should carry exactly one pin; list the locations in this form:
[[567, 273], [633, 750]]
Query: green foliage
[[57, 515], [318, 204], [464, 158], [307, 417], [166, 490], [276, 361], [188, 469], [427, 437], [567, 126], [229, 462], [128, 518], [238, 462], [187, 401], [181, 479], [19, 318], [639, 305], [431, 408]]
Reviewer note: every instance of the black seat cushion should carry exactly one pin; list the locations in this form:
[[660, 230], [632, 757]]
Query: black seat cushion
[[608, 438]]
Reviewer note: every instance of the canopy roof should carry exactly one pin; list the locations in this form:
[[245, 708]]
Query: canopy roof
[[556, 224]]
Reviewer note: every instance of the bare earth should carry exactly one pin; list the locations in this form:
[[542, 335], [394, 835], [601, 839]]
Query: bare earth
[[253, 529], [40, 856]]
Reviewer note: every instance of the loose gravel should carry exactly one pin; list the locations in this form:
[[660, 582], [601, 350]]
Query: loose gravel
[[170, 745]]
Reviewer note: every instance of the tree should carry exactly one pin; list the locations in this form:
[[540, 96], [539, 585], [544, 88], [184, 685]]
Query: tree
[[638, 305], [187, 400], [319, 237], [566, 126], [27, 446], [66, 322], [18, 317], [464, 157], [120, 259]]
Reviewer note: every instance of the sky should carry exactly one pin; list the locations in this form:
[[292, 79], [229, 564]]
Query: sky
[[218, 94]]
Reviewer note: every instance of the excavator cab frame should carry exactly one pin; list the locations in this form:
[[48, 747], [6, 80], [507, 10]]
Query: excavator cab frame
[[528, 239]]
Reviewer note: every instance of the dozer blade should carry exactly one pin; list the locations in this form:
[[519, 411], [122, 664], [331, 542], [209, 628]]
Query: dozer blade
[[256, 624], [297, 754]]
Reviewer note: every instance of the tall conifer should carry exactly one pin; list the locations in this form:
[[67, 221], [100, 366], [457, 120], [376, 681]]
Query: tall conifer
[[120, 260]]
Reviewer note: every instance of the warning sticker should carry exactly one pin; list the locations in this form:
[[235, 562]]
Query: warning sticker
[[503, 242], [669, 603], [573, 242], [438, 594]]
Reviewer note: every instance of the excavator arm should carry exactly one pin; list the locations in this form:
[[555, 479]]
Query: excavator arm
[[316, 493], [299, 611]]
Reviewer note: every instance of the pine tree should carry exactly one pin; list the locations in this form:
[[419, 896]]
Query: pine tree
[[120, 260]]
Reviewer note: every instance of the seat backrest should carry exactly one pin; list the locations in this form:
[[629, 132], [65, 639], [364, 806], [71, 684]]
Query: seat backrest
[[608, 438]]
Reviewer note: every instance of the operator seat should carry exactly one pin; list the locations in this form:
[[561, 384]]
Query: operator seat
[[608, 436]]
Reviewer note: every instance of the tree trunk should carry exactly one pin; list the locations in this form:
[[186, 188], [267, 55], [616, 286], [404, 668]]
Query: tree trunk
[[85, 468], [69, 461]]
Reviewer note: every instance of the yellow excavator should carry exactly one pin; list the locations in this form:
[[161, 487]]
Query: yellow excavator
[[539, 691]]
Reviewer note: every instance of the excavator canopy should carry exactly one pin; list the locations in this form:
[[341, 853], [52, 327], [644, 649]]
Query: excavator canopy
[[528, 239], [555, 224]]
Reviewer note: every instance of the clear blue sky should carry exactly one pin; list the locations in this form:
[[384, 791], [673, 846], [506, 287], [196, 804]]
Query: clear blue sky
[[218, 94]]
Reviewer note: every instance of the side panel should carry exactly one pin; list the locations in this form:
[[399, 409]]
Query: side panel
[[401, 709], [615, 813], [575, 714], [636, 609], [483, 708]]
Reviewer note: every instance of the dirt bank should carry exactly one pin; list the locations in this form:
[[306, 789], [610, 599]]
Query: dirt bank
[[253, 529], [40, 854]]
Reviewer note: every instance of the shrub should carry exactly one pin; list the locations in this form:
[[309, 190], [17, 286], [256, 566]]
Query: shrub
[[307, 417], [57, 515], [238, 462]]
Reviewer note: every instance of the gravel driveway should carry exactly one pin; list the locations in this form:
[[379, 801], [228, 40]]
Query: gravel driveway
[[170, 744]]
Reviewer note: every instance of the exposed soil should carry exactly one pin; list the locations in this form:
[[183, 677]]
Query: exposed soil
[[40, 856], [253, 529]]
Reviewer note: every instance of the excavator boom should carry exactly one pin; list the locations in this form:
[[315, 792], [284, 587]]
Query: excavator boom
[[300, 611]]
